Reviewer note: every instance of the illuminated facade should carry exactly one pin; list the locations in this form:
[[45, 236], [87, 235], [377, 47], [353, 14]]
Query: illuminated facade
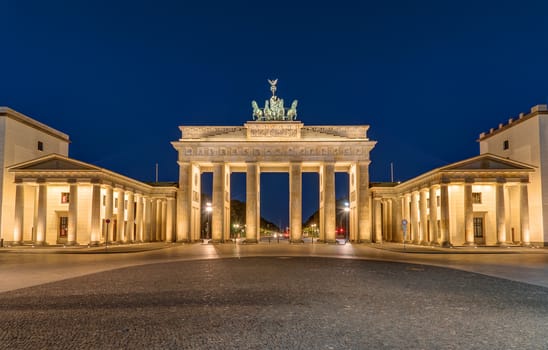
[[525, 139], [49, 198], [483, 200], [59, 200], [494, 198]]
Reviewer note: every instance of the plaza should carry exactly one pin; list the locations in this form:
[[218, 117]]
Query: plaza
[[273, 296]]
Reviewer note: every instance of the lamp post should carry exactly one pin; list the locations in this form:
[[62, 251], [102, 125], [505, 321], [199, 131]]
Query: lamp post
[[208, 209], [346, 212], [236, 230], [313, 232]]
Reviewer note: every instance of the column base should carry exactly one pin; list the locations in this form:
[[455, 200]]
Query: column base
[[502, 244], [14, 243], [526, 244], [250, 241], [183, 241], [214, 241], [470, 244], [39, 244], [363, 241], [73, 243], [331, 241], [446, 245], [94, 243], [296, 241]]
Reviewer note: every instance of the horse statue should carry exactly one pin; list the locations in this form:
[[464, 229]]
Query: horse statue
[[257, 113], [292, 112], [267, 111]]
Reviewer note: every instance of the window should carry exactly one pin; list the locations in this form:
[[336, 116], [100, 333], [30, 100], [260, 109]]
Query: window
[[476, 197], [65, 196], [115, 203], [40, 146], [505, 145]]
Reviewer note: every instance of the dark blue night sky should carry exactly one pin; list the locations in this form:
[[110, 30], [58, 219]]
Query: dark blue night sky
[[120, 76]]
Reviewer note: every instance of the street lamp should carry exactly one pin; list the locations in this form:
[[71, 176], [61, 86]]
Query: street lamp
[[346, 211], [236, 231], [208, 209]]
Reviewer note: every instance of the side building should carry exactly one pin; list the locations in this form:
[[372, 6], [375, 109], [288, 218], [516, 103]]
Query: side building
[[22, 138], [49, 198], [525, 139], [483, 200]]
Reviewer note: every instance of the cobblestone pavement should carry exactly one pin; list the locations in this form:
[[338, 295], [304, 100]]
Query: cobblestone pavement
[[276, 303]]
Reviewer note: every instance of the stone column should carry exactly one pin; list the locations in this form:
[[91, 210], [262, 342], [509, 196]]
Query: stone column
[[468, 213], [120, 217], [364, 222], [139, 218], [444, 214], [330, 210], [184, 202], [321, 210], [169, 219], [378, 220], [389, 221], [501, 215], [524, 213], [130, 217], [148, 219], [42, 213], [397, 235], [95, 229], [19, 213], [158, 221], [414, 218], [72, 230], [109, 200], [433, 202], [295, 202], [252, 203], [423, 203], [163, 221], [217, 203]]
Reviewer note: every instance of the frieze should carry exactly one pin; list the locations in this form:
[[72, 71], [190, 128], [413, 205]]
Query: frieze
[[353, 132], [197, 132], [274, 150]]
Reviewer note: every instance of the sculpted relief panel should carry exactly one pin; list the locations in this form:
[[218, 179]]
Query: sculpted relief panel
[[266, 152]]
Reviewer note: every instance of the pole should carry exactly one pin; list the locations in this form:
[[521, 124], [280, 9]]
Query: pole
[[391, 172], [156, 172]]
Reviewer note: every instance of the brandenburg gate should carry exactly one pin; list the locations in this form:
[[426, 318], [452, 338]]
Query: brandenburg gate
[[274, 141]]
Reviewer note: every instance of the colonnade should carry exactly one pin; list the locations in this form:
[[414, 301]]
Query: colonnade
[[427, 210], [189, 205], [134, 216]]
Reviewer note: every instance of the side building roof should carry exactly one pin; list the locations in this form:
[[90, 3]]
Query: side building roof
[[58, 168], [20, 117]]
